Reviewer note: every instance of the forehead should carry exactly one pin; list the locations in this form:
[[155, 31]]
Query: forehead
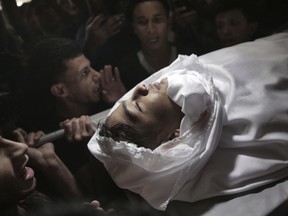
[[149, 8], [230, 14], [75, 65]]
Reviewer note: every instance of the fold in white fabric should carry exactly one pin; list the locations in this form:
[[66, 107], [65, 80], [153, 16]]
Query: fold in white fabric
[[243, 148], [167, 168], [252, 81]]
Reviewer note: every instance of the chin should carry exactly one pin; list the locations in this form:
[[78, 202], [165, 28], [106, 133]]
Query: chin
[[28, 190]]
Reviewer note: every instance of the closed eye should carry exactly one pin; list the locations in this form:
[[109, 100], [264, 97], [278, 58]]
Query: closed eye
[[138, 107]]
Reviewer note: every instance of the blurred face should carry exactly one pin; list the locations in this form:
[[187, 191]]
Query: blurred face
[[68, 6], [82, 83], [233, 28], [149, 111], [151, 25], [16, 180]]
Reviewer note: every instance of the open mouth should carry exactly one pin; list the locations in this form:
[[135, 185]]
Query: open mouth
[[28, 173], [153, 40], [97, 89]]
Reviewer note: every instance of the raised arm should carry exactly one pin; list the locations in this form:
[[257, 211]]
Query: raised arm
[[50, 165]]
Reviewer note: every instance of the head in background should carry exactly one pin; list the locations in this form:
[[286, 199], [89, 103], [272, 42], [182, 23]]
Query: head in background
[[150, 21], [59, 72], [235, 20]]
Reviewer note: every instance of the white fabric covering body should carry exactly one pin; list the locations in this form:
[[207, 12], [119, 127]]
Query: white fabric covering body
[[253, 148]]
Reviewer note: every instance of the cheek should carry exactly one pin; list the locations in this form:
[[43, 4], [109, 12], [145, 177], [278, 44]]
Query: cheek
[[8, 182], [140, 32], [163, 29]]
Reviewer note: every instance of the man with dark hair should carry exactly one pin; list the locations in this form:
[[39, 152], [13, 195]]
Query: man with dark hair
[[151, 23], [62, 85], [236, 21]]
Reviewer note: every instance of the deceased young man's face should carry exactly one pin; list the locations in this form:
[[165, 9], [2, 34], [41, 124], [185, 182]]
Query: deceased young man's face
[[149, 111]]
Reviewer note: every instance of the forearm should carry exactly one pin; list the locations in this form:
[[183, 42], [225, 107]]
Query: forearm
[[60, 177]]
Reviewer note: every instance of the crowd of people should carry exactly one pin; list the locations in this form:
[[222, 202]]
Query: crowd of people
[[64, 60]]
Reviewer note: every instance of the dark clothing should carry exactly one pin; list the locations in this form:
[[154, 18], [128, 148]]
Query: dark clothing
[[131, 71]]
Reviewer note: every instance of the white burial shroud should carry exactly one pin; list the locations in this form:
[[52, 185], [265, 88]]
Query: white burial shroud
[[244, 148]]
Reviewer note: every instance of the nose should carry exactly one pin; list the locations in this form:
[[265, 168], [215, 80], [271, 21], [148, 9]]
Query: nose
[[140, 90], [14, 147], [150, 28], [226, 30], [96, 75]]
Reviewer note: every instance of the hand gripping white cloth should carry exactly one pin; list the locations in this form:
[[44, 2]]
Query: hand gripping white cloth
[[158, 175]]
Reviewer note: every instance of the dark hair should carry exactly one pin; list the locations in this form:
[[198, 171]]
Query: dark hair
[[45, 65], [46, 59], [133, 3], [120, 132], [247, 7]]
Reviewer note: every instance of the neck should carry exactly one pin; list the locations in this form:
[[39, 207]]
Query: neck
[[158, 58]]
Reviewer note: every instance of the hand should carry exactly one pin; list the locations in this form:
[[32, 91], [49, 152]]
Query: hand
[[96, 205], [37, 156], [184, 18], [77, 129], [99, 30], [112, 86]]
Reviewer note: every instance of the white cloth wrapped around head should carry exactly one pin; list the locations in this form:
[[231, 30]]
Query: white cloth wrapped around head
[[158, 175]]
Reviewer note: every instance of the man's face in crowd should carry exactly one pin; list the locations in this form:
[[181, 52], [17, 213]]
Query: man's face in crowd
[[151, 25], [82, 83], [149, 111], [68, 6], [233, 28], [16, 180]]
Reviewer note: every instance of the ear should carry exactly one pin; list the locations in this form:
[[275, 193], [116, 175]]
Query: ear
[[175, 134], [59, 90]]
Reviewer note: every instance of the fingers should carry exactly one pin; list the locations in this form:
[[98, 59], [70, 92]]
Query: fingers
[[94, 204], [20, 135], [77, 129], [95, 22], [112, 86], [183, 17], [29, 138], [113, 25], [117, 74], [107, 75], [34, 137]]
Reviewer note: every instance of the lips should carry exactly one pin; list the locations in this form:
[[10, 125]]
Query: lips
[[27, 174], [153, 40], [97, 89]]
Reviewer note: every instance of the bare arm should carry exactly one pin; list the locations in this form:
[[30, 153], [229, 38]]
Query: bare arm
[[47, 161]]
